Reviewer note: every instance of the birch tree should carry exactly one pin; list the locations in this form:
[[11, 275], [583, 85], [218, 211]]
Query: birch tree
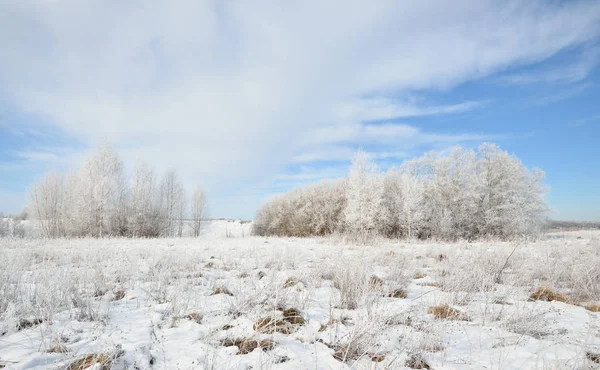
[[198, 210]]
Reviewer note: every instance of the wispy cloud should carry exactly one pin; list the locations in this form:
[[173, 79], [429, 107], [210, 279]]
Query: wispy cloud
[[565, 72], [232, 92]]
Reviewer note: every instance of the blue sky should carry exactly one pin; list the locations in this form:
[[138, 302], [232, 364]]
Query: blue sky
[[254, 98]]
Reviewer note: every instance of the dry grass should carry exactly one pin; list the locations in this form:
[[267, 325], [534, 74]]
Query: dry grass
[[195, 316], [58, 348], [248, 345], [419, 275], [445, 312], [594, 357], [417, 362], [221, 290], [376, 282], [101, 361], [290, 282], [593, 308], [547, 295], [398, 293], [119, 294], [28, 323], [293, 316], [270, 325]]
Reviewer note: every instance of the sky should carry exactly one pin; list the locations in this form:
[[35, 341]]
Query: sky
[[254, 98]]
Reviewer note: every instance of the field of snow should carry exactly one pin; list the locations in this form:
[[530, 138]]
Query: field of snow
[[231, 301]]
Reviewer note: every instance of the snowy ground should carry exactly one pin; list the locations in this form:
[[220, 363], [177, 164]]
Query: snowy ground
[[151, 304]]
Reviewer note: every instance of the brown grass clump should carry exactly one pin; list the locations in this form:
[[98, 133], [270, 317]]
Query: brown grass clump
[[433, 285], [376, 282], [209, 265], [378, 358], [244, 275], [290, 282], [594, 357], [398, 293], [547, 295], [445, 312], [246, 346], [261, 275], [119, 294], [270, 325], [419, 275], [58, 348], [28, 323], [87, 361], [293, 316], [593, 308], [221, 290], [417, 362]]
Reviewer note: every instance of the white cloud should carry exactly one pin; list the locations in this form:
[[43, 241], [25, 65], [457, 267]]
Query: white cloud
[[571, 72], [231, 92]]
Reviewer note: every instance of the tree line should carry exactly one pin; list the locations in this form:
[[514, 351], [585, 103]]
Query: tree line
[[97, 200], [464, 194]]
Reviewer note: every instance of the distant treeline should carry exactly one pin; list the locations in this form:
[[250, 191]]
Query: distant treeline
[[464, 194], [573, 225]]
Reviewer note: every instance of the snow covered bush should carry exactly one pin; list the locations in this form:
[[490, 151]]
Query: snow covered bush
[[465, 194]]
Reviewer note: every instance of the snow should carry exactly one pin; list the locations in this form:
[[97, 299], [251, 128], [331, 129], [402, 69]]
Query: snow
[[71, 285]]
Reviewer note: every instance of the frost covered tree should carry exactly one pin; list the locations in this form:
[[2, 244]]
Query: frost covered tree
[[47, 205], [145, 215], [364, 197], [198, 210], [464, 194], [172, 195], [102, 195], [96, 200]]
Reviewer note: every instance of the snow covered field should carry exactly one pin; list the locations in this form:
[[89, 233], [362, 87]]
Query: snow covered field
[[231, 301]]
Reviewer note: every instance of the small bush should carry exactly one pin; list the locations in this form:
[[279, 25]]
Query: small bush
[[445, 312], [547, 295]]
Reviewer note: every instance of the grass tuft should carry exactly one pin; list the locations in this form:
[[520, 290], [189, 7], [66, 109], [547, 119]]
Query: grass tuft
[[246, 346], [398, 293], [270, 325], [221, 290], [593, 308], [445, 312], [290, 282], [547, 295]]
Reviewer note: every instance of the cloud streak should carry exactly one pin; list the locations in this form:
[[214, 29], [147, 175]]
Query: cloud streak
[[230, 93]]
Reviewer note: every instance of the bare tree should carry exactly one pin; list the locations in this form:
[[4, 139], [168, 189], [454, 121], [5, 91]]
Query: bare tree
[[47, 205], [172, 196], [198, 210]]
